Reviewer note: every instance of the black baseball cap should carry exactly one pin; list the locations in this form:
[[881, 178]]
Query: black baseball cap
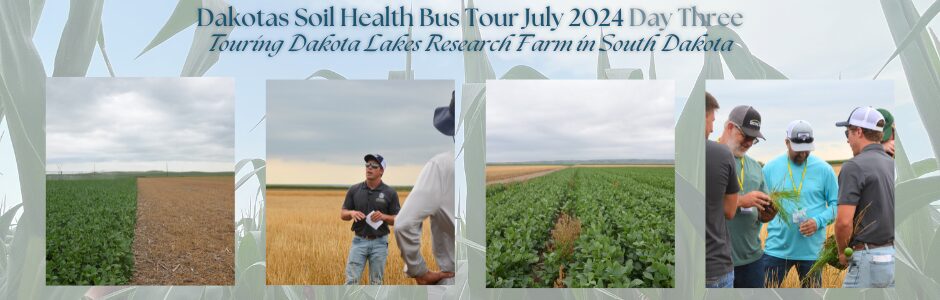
[[748, 119]]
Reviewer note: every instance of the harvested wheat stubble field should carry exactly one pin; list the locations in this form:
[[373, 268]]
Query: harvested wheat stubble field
[[504, 172], [185, 233], [307, 242]]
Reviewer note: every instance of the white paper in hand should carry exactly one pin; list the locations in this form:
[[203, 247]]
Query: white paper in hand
[[376, 224]]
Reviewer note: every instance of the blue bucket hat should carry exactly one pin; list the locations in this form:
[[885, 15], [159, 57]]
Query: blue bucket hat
[[444, 118]]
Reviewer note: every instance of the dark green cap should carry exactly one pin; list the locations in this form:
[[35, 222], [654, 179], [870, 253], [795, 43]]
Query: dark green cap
[[889, 124]]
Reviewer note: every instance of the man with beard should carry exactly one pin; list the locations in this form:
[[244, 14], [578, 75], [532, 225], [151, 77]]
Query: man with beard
[[741, 132], [797, 241]]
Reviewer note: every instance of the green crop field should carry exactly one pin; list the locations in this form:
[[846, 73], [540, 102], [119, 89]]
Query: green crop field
[[618, 230], [90, 231]]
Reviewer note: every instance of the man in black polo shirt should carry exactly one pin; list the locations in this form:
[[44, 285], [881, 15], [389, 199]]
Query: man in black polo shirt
[[865, 219], [377, 202]]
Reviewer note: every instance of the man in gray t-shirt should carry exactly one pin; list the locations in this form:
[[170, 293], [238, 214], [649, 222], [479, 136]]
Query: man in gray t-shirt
[[719, 184], [865, 220], [721, 195]]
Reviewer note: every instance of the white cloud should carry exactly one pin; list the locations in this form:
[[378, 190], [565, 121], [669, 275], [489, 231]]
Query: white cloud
[[139, 124], [331, 125], [579, 120]]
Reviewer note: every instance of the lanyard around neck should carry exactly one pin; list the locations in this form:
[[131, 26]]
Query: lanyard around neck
[[741, 175], [802, 178]]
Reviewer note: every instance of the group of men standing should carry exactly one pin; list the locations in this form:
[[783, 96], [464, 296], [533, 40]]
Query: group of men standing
[[859, 201]]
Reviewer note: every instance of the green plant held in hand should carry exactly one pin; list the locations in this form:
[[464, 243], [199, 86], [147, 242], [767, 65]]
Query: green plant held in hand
[[778, 198]]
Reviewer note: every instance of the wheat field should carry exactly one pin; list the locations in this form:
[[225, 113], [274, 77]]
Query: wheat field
[[307, 242], [831, 277], [500, 172]]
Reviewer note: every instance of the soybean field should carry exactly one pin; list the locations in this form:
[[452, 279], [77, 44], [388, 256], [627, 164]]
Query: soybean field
[[90, 231], [131, 229], [609, 227]]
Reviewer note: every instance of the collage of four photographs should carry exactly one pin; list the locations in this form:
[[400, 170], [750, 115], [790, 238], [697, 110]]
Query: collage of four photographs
[[360, 183]]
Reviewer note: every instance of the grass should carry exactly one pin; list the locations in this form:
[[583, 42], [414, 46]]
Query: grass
[[777, 199], [829, 255]]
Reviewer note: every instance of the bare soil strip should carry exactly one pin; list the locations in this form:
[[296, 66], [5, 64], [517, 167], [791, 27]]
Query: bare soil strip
[[185, 231], [524, 177]]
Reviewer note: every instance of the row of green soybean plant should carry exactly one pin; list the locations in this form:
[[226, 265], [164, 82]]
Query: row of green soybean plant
[[90, 231], [519, 220], [628, 233]]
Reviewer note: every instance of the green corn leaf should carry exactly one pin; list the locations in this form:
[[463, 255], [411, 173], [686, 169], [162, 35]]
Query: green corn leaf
[[81, 33], [916, 32], [104, 54], [522, 72], [184, 15], [326, 74]]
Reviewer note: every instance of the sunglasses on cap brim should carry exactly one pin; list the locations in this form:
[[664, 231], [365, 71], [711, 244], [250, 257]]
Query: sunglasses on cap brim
[[801, 140]]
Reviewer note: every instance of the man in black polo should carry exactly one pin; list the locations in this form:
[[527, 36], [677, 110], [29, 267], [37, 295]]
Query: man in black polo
[[865, 219], [373, 206]]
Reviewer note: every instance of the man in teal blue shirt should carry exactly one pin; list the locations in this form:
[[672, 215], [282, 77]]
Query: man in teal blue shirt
[[741, 132], [797, 240]]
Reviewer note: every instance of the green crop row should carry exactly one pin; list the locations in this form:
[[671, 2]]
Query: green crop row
[[519, 218], [90, 231], [627, 232]]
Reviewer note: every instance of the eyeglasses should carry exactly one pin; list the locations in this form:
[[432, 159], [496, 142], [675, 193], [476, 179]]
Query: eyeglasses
[[847, 129], [747, 139], [373, 165], [802, 140]]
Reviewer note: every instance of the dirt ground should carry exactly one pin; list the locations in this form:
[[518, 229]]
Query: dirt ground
[[308, 243], [502, 174], [185, 231]]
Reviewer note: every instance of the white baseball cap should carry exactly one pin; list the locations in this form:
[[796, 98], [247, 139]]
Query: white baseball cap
[[864, 117], [800, 134]]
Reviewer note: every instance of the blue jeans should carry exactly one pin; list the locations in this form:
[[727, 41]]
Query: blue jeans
[[871, 268], [374, 251], [750, 275], [777, 269], [721, 282]]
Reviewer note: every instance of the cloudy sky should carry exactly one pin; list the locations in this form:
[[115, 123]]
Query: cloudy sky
[[579, 120], [821, 103], [139, 124], [319, 131]]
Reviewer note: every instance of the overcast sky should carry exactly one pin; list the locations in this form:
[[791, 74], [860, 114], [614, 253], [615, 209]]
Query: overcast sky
[[319, 131], [821, 103], [579, 120], [139, 124]]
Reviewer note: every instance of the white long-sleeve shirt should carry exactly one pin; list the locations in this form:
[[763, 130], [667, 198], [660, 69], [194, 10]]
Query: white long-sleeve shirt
[[432, 196]]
